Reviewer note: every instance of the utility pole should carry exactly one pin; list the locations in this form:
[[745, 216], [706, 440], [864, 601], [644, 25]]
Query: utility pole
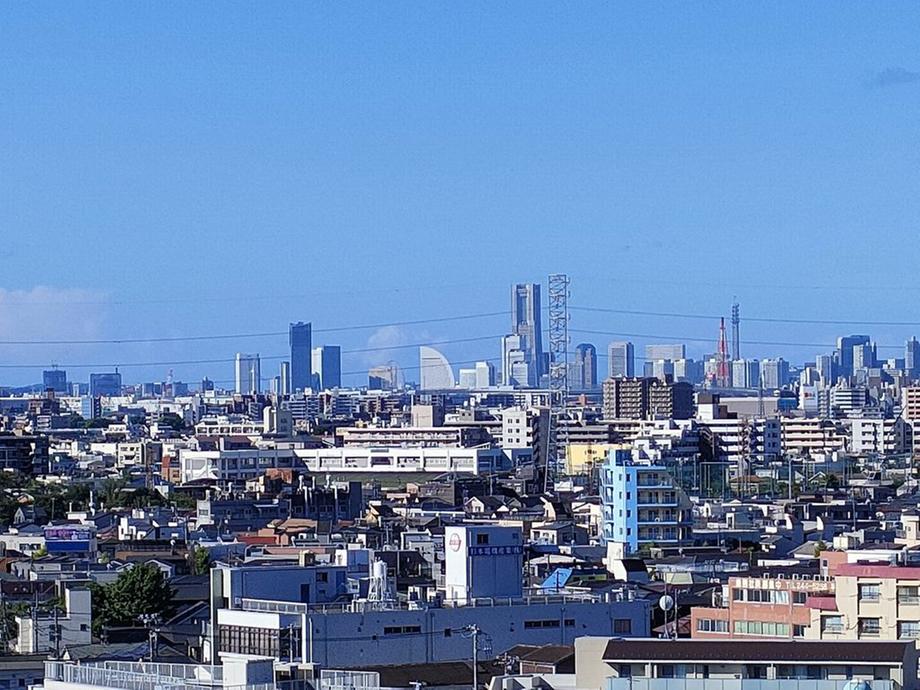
[[474, 631], [56, 633]]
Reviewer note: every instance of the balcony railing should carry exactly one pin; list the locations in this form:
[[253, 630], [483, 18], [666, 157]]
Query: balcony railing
[[740, 684], [908, 599]]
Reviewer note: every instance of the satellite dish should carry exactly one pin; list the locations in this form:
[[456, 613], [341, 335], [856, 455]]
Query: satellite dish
[[666, 603]]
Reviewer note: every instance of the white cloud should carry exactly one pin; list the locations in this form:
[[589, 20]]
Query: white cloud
[[50, 313]]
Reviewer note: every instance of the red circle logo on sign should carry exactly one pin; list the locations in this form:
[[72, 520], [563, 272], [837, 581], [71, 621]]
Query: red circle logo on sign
[[455, 542]]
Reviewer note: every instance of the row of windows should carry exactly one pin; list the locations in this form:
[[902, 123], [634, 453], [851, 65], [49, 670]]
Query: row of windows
[[761, 596], [402, 629], [711, 625], [766, 628], [281, 644], [549, 623]]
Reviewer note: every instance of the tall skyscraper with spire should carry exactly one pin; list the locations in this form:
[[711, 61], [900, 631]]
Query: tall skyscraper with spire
[[526, 311]]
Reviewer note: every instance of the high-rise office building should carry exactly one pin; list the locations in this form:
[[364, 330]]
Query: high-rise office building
[[863, 356], [825, 367], [844, 353], [517, 369], [621, 359], [485, 374], [104, 384], [745, 373], [284, 386], [435, 372], [672, 352], [526, 322], [301, 338], [383, 378], [774, 373], [688, 370], [327, 367], [912, 357], [248, 374], [585, 367], [55, 380]]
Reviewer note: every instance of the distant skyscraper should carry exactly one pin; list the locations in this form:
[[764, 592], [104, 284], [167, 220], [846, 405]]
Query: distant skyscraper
[[104, 384], [621, 359], [585, 366], [384, 377], [248, 374], [517, 370], [206, 385], [526, 322], [745, 373], [912, 356], [301, 338], [774, 373], [825, 367], [845, 345], [672, 352], [485, 374], [55, 380], [284, 387], [467, 378], [327, 367], [435, 370], [863, 356]]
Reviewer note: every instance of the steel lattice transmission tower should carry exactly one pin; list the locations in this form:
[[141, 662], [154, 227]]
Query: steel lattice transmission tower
[[736, 330], [558, 369]]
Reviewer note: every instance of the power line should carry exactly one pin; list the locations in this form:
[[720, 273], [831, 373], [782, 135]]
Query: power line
[[226, 360], [240, 336], [755, 319]]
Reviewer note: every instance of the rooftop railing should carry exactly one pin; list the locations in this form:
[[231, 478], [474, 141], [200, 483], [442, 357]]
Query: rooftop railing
[[142, 676]]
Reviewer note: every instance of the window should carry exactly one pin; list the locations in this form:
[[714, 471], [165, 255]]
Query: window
[[909, 595], [448, 632], [322, 576], [869, 592], [799, 597], [909, 630], [622, 626], [482, 538], [870, 627], [711, 625], [737, 595], [832, 624], [402, 630], [799, 630], [530, 625]]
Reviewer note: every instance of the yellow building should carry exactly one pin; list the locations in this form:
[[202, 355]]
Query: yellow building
[[582, 458]]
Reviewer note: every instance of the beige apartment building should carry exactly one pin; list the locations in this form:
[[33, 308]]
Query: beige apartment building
[[870, 602]]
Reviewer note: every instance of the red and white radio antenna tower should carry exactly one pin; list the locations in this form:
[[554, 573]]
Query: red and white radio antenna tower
[[722, 376]]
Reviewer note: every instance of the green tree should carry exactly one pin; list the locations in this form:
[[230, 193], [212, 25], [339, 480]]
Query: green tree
[[819, 547], [141, 590], [201, 561]]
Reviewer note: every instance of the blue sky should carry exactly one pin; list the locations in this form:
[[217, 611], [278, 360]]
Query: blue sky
[[169, 169]]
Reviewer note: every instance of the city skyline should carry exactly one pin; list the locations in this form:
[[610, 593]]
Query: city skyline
[[355, 363], [472, 148]]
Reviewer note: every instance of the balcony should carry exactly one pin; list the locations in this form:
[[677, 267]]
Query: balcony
[[741, 684]]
